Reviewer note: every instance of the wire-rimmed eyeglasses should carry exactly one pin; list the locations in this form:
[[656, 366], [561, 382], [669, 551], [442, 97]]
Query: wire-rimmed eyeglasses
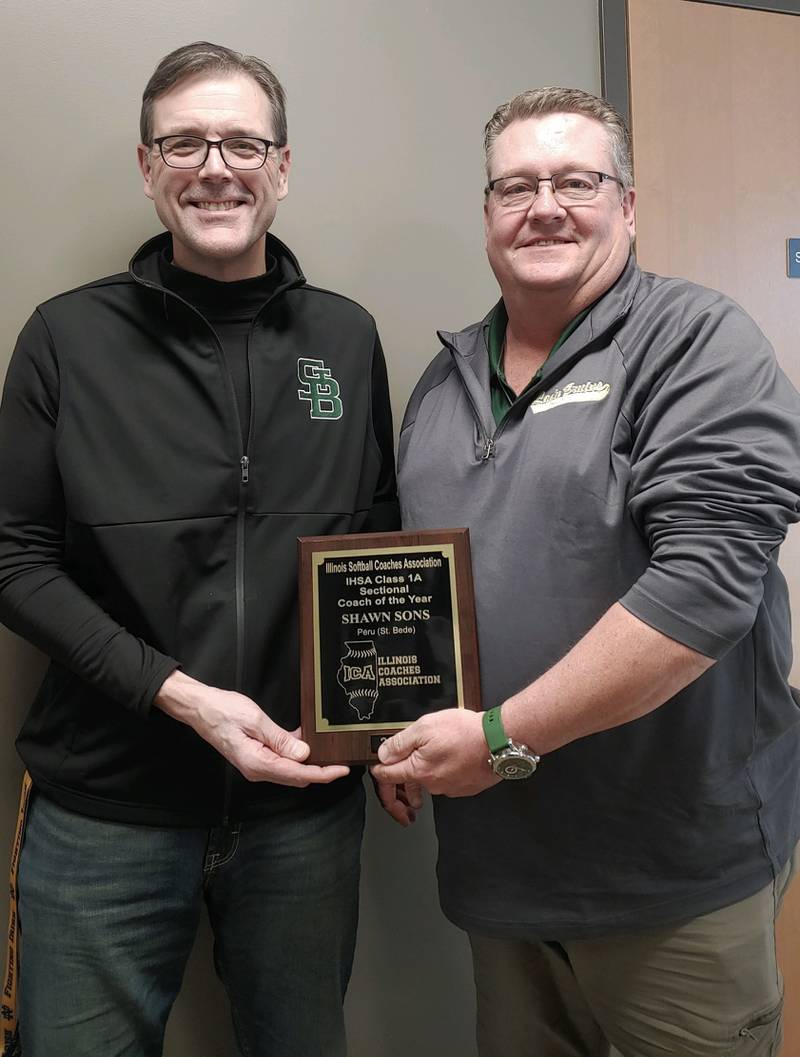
[[569, 188]]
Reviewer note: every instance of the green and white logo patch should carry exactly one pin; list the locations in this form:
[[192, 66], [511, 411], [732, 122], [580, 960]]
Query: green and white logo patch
[[319, 388]]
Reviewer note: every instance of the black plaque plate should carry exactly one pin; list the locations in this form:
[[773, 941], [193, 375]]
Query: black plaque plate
[[387, 635]]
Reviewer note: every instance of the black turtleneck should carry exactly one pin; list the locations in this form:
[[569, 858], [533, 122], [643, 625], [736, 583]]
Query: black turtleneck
[[230, 308]]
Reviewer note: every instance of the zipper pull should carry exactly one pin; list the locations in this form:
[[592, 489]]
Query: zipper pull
[[488, 449], [244, 462]]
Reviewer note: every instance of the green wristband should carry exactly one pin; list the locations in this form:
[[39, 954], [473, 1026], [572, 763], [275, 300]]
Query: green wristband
[[496, 737]]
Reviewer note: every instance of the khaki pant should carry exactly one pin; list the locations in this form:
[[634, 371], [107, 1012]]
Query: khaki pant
[[710, 986]]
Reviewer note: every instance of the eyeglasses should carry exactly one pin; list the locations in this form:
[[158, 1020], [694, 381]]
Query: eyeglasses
[[569, 188], [190, 152]]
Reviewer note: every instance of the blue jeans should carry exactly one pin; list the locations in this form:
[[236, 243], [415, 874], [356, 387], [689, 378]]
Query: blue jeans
[[109, 912]]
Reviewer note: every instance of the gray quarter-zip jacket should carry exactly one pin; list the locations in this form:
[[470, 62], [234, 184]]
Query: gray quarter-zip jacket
[[656, 463]]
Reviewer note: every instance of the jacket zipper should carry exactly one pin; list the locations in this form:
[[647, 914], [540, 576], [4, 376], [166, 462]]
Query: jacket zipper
[[489, 440], [244, 477]]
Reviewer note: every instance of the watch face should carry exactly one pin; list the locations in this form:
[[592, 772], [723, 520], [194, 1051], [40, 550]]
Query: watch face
[[512, 766]]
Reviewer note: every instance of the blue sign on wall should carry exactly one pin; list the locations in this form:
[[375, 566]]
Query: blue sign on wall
[[793, 258]]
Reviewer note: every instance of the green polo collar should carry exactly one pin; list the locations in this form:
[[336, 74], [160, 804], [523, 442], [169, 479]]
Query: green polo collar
[[503, 396]]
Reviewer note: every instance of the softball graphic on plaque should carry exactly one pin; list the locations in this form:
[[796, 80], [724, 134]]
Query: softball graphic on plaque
[[358, 677], [387, 634]]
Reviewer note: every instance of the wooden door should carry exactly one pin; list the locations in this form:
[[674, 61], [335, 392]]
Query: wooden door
[[716, 129]]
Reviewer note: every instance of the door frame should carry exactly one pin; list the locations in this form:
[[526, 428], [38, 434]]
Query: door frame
[[614, 64]]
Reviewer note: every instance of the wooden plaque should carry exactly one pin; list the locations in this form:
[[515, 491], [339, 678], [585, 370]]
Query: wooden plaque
[[387, 634]]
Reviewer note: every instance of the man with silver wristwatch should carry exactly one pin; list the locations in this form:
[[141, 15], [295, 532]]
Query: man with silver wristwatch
[[626, 454]]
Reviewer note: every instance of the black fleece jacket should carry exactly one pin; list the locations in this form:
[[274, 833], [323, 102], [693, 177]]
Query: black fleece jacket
[[137, 534]]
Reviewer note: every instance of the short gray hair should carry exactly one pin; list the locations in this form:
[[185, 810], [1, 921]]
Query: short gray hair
[[202, 57], [540, 101]]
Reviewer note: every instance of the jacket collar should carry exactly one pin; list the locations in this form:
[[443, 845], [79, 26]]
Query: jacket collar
[[470, 350], [144, 269]]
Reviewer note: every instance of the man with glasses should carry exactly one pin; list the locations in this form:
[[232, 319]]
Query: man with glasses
[[626, 454], [166, 435]]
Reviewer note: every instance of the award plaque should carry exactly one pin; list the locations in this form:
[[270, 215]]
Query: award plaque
[[387, 634]]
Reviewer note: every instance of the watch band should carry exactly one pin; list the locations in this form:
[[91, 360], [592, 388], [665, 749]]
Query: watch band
[[493, 730]]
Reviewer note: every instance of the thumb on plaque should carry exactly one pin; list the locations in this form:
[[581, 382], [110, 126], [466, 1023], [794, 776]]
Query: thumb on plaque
[[398, 747]]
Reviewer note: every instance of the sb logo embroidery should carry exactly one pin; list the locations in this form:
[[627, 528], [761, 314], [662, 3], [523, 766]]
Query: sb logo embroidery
[[319, 388]]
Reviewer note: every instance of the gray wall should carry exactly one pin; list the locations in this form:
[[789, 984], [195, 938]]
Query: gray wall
[[386, 107]]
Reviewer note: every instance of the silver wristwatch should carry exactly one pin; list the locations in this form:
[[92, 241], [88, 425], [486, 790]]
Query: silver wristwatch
[[508, 759]]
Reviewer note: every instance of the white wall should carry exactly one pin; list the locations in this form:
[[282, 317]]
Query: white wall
[[387, 104]]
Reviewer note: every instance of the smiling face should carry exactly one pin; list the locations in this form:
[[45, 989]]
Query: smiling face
[[576, 253], [218, 216]]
